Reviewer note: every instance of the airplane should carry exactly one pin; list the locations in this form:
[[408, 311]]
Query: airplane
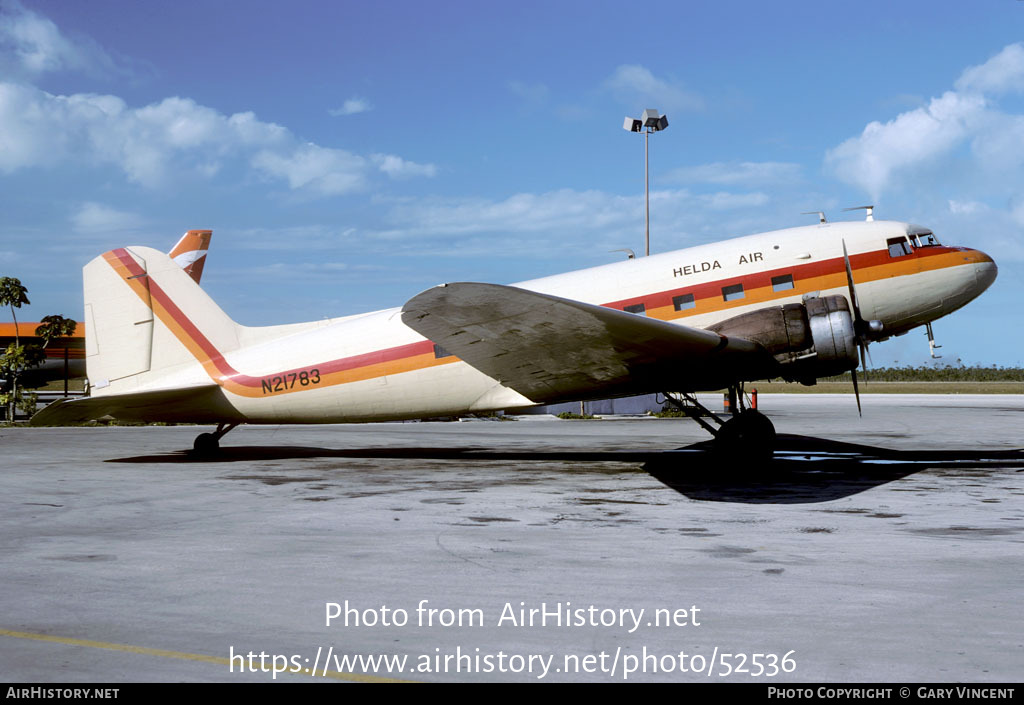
[[797, 303], [65, 357]]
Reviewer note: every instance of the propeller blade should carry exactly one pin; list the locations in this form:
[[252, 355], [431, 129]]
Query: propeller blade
[[856, 392], [864, 360], [858, 320]]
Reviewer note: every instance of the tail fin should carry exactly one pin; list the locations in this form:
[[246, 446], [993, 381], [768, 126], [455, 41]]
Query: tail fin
[[190, 252], [149, 325]]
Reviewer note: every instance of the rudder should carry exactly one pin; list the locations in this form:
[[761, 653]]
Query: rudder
[[148, 324]]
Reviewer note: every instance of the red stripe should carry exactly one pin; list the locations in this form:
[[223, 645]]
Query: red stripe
[[227, 371], [654, 300], [757, 280]]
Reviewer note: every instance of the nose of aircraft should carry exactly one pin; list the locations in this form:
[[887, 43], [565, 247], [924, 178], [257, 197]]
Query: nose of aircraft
[[985, 270]]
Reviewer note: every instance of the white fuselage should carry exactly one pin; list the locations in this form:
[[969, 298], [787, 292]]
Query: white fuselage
[[373, 367]]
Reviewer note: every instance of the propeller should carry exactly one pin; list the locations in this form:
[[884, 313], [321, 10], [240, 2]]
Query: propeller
[[863, 330]]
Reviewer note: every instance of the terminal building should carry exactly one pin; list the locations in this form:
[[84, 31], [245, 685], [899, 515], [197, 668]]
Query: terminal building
[[65, 356]]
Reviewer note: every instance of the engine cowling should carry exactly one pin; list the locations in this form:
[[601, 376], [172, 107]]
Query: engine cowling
[[809, 340]]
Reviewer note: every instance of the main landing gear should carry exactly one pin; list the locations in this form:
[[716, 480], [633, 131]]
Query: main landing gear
[[209, 443], [747, 435]]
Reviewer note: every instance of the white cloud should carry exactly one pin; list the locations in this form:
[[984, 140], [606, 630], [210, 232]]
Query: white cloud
[[304, 271], [723, 200], [737, 173], [564, 218], [558, 226], [913, 138], [305, 237], [323, 171], [174, 136], [639, 89], [966, 207], [32, 44], [352, 106], [398, 168], [91, 217], [921, 138], [156, 143], [1003, 73]]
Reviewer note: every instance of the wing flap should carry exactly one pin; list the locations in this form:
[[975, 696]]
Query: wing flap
[[549, 348]]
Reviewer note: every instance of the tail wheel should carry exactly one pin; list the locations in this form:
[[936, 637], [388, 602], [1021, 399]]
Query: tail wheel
[[209, 443]]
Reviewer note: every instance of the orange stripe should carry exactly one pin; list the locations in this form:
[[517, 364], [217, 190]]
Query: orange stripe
[[873, 267], [27, 329], [802, 285]]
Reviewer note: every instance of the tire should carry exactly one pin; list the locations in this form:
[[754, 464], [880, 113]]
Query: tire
[[206, 444], [748, 437]]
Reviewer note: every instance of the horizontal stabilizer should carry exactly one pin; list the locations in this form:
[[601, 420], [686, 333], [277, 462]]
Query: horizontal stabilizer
[[552, 349], [200, 404]]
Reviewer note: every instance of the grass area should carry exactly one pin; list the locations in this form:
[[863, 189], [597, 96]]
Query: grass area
[[75, 384], [876, 387], [937, 379], [939, 373]]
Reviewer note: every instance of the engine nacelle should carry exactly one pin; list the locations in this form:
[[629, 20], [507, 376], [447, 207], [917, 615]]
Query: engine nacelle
[[779, 329], [835, 340], [810, 340]]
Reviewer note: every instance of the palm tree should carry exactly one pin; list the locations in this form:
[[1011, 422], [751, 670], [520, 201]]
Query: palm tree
[[13, 294]]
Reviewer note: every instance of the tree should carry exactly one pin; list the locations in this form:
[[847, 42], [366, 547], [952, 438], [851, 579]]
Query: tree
[[17, 357], [55, 327], [13, 294]]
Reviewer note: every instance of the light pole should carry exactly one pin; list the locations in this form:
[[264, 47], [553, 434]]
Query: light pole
[[650, 122]]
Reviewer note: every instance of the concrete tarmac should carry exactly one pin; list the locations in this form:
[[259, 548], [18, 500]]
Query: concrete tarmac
[[887, 548]]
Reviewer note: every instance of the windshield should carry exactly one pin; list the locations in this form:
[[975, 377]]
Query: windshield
[[923, 238]]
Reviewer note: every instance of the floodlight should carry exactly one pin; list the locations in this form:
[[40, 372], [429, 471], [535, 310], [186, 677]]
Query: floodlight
[[649, 122]]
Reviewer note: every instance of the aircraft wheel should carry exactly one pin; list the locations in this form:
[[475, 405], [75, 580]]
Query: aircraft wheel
[[750, 436], [206, 444]]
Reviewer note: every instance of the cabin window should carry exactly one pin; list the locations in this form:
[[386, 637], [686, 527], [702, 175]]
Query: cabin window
[[635, 308], [683, 302], [731, 293], [782, 283], [440, 352], [898, 246]]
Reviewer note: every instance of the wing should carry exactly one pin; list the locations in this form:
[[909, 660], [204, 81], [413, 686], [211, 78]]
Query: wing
[[553, 349], [201, 404]]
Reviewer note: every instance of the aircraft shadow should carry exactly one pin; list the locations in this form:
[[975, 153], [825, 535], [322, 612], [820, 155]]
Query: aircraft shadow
[[804, 470], [807, 469]]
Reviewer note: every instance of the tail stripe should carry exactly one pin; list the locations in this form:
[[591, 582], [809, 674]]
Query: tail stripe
[[190, 252], [403, 358]]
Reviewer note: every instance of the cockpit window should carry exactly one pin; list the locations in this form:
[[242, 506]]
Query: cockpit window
[[925, 238], [898, 246]]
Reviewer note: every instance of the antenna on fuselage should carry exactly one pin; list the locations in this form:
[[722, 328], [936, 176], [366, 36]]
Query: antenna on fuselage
[[821, 216], [870, 209]]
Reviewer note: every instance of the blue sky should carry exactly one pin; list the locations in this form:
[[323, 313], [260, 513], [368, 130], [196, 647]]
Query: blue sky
[[349, 155]]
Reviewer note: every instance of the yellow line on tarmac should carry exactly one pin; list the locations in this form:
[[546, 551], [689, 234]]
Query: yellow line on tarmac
[[338, 675]]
